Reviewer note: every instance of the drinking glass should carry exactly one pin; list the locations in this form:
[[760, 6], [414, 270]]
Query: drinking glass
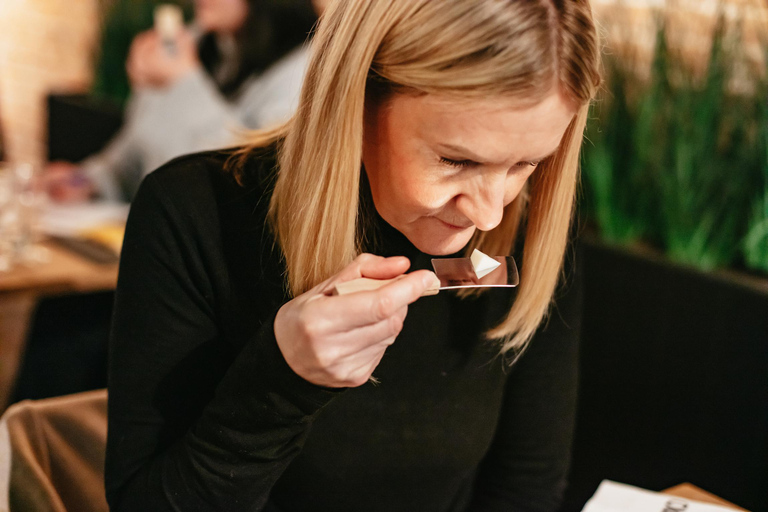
[[7, 216], [21, 200], [30, 199]]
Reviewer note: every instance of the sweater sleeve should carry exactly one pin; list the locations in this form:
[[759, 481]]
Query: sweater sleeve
[[273, 97], [105, 168], [527, 465], [120, 160], [164, 328], [191, 115]]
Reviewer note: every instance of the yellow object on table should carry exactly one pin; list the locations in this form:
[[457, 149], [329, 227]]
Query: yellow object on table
[[109, 235]]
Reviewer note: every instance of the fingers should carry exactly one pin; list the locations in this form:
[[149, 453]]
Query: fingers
[[366, 265], [339, 340], [353, 334], [135, 66], [140, 46], [320, 355], [141, 59], [63, 192], [375, 267], [186, 45], [351, 371], [63, 182], [60, 166], [369, 307], [143, 41]]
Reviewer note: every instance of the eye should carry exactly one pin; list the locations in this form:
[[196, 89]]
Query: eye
[[526, 164], [457, 163]]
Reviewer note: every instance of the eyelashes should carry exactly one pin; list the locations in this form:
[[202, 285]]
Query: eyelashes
[[461, 164], [457, 163]]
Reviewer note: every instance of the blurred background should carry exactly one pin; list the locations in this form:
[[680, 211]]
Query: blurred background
[[44, 46], [673, 223]]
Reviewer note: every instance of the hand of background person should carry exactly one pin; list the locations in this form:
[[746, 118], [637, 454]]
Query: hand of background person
[[65, 183], [152, 64], [338, 340]]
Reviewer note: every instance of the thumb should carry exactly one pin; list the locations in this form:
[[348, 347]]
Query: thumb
[[374, 267]]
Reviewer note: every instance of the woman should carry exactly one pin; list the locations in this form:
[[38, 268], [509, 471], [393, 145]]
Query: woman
[[241, 64], [239, 381]]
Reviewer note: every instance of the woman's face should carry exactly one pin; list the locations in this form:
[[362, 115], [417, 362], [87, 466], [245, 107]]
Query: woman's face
[[440, 168], [222, 16]]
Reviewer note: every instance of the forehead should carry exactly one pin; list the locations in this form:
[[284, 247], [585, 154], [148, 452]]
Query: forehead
[[496, 128]]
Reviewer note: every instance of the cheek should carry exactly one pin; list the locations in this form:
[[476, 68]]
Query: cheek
[[408, 188], [426, 193], [415, 195], [513, 186]]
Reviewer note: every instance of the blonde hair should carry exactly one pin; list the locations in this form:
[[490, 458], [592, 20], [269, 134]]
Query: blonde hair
[[520, 49]]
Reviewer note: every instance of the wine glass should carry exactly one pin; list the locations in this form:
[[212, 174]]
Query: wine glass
[[29, 203], [7, 216], [21, 200]]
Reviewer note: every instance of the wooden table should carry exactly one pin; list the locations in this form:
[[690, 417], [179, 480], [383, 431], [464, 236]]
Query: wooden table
[[692, 492], [21, 288]]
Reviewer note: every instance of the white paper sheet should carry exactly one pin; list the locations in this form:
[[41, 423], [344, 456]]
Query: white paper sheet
[[73, 219], [616, 497]]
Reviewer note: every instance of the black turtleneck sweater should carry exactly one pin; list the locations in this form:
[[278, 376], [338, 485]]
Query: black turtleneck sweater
[[205, 414]]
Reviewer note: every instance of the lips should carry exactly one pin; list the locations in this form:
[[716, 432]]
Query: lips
[[456, 226]]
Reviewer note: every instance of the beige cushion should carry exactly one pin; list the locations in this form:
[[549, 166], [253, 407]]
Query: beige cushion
[[57, 448]]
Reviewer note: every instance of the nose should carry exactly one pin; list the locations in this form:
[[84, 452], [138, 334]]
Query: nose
[[482, 201]]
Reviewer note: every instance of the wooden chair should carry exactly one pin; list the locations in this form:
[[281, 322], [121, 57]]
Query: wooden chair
[[52, 454]]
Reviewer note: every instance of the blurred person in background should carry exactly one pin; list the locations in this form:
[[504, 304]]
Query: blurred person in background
[[239, 65], [243, 70]]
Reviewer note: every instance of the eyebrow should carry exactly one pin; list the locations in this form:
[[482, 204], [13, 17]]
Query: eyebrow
[[551, 153], [477, 158]]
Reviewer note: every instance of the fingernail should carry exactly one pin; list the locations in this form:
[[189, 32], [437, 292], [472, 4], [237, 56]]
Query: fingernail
[[431, 281]]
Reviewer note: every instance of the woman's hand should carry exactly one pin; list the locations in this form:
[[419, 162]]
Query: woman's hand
[[152, 63], [338, 340], [64, 182]]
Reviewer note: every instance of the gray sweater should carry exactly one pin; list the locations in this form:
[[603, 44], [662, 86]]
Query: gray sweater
[[192, 115]]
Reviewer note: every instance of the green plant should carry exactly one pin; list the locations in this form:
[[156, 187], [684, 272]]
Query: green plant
[[610, 167], [756, 241], [676, 163], [700, 201]]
